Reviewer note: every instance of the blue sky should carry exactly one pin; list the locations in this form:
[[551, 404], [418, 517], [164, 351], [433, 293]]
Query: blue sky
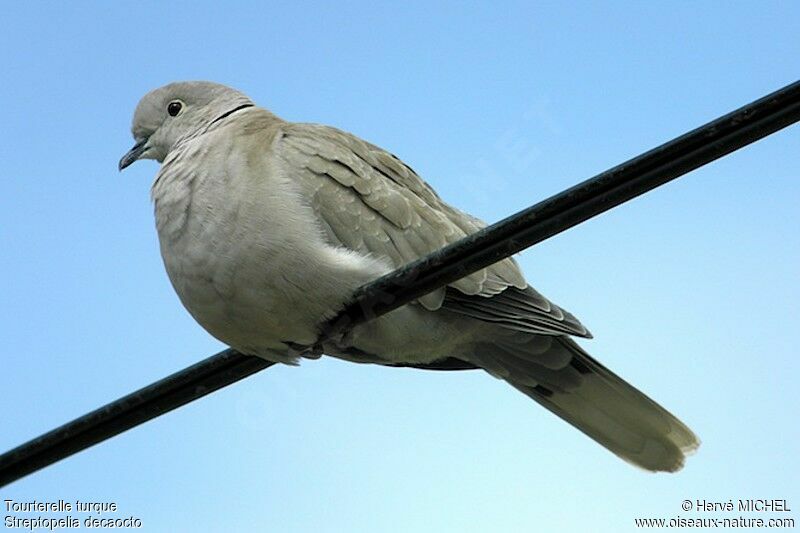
[[691, 291]]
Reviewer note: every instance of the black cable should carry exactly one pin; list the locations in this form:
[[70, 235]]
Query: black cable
[[180, 388], [572, 206], [526, 228]]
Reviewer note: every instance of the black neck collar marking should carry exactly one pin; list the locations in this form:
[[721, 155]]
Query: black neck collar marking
[[231, 112]]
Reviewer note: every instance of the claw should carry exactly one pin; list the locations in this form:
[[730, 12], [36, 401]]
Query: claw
[[314, 351]]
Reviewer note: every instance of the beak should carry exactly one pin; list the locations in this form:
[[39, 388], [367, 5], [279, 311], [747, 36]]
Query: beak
[[133, 154]]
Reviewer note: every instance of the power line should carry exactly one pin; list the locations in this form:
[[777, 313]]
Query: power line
[[573, 206], [526, 228]]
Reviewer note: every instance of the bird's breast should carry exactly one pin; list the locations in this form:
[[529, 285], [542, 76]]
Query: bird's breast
[[232, 257]]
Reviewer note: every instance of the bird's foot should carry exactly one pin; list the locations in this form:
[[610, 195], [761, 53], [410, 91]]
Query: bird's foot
[[313, 351]]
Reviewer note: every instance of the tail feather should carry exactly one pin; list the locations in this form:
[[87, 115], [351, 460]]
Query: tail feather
[[595, 400]]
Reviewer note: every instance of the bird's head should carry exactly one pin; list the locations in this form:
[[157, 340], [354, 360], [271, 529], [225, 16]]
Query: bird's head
[[169, 114]]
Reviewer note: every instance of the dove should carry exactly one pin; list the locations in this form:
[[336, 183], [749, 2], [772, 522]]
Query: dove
[[267, 227]]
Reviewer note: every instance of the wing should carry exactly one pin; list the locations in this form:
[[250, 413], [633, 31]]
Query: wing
[[371, 202]]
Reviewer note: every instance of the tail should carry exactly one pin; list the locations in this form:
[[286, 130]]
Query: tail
[[558, 374]]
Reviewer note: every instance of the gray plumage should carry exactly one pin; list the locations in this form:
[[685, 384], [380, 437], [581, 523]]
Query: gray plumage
[[267, 227]]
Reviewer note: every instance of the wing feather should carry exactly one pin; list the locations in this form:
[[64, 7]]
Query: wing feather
[[368, 200]]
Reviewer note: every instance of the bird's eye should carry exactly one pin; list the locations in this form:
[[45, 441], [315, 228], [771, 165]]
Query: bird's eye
[[173, 108]]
